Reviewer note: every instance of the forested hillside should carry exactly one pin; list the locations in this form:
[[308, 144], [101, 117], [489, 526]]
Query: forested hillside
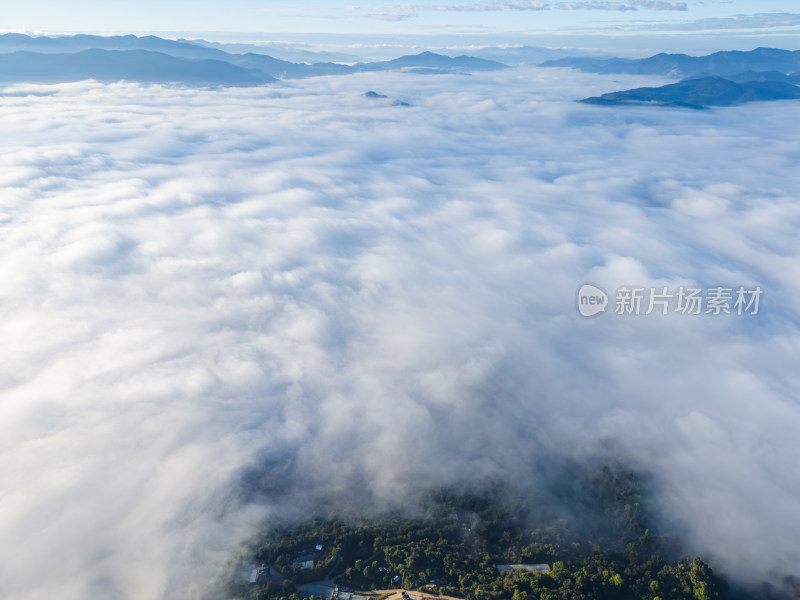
[[597, 544]]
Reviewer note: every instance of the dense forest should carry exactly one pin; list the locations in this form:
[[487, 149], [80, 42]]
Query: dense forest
[[597, 544]]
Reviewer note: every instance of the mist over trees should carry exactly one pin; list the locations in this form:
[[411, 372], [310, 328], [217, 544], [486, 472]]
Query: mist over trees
[[590, 534]]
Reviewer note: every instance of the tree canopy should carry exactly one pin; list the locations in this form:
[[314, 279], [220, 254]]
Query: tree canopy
[[597, 544]]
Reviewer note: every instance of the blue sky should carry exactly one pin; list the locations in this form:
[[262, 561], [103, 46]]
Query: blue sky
[[400, 17]]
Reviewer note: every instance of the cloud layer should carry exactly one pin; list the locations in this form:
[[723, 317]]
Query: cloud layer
[[209, 298], [400, 12]]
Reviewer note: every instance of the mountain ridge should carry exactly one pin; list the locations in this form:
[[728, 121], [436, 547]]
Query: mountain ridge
[[702, 93], [64, 58], [114, 65], [724, 63]]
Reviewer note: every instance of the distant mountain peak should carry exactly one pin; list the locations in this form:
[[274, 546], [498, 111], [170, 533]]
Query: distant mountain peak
[[702, 92]]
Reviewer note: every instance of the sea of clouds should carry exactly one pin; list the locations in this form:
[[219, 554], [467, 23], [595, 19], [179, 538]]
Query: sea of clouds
[[208, 297]]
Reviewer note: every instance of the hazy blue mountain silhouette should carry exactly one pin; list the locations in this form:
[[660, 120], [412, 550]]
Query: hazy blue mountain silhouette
[[721, 64], [283, 69], [766, 76], [147, 58], [376, 96], [702, 93], [437, 61], [288, 52], [13, 42], [133, 65], [523, 55]]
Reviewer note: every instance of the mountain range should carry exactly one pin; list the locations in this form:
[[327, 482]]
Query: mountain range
[[131, 65], [434, 61], [702, 93], [719, 79], [721, 64], [524, 55], [152, 59]]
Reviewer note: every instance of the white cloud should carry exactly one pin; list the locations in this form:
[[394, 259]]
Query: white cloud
[[759, 21], [208, 297], [659, 4], [402, 12], [623, 6]]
